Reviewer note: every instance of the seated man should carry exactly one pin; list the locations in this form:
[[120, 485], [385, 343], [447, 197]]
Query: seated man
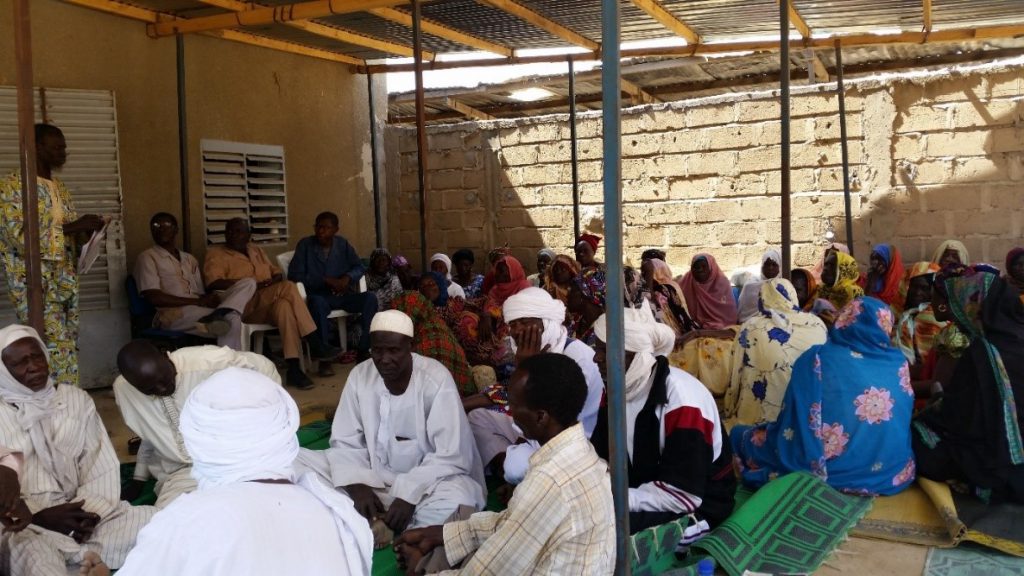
[[169, 280], [277, 301], [678, 461], [252, 514], [400, 444], [70, 479], [151, 392], [329, 268], [560, 519], [535, 320]]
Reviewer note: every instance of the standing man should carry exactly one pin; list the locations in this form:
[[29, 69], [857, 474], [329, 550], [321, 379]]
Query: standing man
[[151, 393], [58, 224], [329, 268], [169, 279], [277, 301]]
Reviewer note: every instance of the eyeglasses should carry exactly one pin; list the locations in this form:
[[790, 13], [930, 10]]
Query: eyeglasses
[[165, 225]]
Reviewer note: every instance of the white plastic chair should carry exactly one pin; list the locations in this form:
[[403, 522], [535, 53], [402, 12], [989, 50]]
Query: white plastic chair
[[341, 317]]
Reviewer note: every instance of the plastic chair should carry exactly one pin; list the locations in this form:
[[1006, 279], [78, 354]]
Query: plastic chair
[[339, 316], [141, 314]]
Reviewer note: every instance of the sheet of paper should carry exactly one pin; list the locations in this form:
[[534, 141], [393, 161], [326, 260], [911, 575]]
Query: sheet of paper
[[92, 249]]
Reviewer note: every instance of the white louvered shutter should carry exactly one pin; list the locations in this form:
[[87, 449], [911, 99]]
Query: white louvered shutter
[[88, 119], [245, 181]]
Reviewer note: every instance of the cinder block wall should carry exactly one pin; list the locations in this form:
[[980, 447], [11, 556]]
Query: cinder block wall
[[935, 156]]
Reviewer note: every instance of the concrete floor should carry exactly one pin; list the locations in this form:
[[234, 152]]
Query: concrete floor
[[856, 556]]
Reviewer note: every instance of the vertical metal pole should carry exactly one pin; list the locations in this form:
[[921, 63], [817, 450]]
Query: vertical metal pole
[[574, 153], [784, 104], [186, 209], [373, 162], [421, 129], [27, 141], [841, 90], [612, 116]]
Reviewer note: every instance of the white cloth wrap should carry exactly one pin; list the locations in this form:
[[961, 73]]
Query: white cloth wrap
[[34, 409], [646, 339], [538, 303], [447, 262]]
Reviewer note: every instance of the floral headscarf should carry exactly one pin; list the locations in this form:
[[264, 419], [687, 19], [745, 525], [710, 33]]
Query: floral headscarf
[[917, 328], [845, 288]]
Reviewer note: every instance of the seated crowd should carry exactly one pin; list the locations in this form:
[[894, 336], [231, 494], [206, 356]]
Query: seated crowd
[[863, 380]]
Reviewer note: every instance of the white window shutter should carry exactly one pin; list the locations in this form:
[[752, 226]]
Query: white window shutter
[[245, 181], [88, 119]]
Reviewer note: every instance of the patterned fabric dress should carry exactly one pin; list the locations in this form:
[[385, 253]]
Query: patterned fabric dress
[[435, 340], [59, 269], [846, 413]]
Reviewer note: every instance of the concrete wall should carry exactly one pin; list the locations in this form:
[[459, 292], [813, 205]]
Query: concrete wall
[[316, 109], [931, 157]]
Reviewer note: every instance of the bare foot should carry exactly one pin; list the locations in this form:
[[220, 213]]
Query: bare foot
[[92, 565]]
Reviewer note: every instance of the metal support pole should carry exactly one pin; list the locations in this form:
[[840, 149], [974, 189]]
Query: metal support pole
[[575, 154], [612, 148], [373, 163], [784, 104], [186, 209], [841, 90], [421, 129], [27, 155]]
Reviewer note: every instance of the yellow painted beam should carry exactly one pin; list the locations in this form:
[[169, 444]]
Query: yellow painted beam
[[655, 10], [467, 110], [926, 7], [267, 15], [637, 93], [798, 21], [149, 16], [326, 31], [441, 31], [538, 20]]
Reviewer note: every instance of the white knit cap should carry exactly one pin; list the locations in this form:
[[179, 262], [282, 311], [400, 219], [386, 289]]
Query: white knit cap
[[392, 321]]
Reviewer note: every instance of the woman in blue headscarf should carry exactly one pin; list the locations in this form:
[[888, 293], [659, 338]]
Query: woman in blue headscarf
[[846, 412]]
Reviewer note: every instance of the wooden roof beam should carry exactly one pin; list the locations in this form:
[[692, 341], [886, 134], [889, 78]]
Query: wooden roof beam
[[542, 22], [818, 69], [467, 110], [636, 93], [326, 31], [442, 31], [926, 9], [267, 15], [152, 17], [655, 10]]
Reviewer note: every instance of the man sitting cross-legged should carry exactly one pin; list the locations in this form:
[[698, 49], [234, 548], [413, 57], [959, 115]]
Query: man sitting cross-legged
[[400, 444], [560, 519], [252, 515], [70, 479], [151, 392]]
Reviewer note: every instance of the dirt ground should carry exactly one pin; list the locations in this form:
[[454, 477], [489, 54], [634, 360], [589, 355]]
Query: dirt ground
[[857, 556]]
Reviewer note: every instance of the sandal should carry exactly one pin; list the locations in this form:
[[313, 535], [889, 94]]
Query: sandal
[[349, 357]]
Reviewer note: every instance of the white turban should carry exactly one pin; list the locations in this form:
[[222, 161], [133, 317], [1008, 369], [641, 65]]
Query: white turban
[[238, 425], [447, 262], [647, 339], [537, 303], [35, 410], [392, 321]]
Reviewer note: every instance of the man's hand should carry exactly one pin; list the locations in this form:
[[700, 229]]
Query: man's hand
[[10, 489], [470, 403], [338, 285], [209, 300], [528, 342], [399, 515], [68, 519], [18, 519], [88, 223], [132, 490], [365, 501], [273, 280], [417, 543]]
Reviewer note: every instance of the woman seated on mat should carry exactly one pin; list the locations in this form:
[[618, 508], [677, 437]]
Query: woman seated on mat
[[973, 433], [885, 276], [1015, 270], [586, 304], [806, 287], [951, 252], [838, 285], [764, 353], [434, 339], [917, 326], [846, 413], [381, 279], [706, 352], [560, 275], [464, 276], [402, 268], [442, 264], [666, 298], [771, 261]]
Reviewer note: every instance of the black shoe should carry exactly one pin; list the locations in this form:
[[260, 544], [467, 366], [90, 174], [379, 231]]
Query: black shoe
[[215, 322], [319, 350], [296, 378]]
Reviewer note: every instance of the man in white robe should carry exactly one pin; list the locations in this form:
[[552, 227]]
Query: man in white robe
[[535, 321], [400, 444], [70, 478], [251, 514], [151, 391]]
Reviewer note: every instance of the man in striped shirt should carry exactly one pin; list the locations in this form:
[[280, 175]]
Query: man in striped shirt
[[560, 519]]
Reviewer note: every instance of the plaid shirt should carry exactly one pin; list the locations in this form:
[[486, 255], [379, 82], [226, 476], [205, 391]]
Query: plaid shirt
[[560, 519]]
